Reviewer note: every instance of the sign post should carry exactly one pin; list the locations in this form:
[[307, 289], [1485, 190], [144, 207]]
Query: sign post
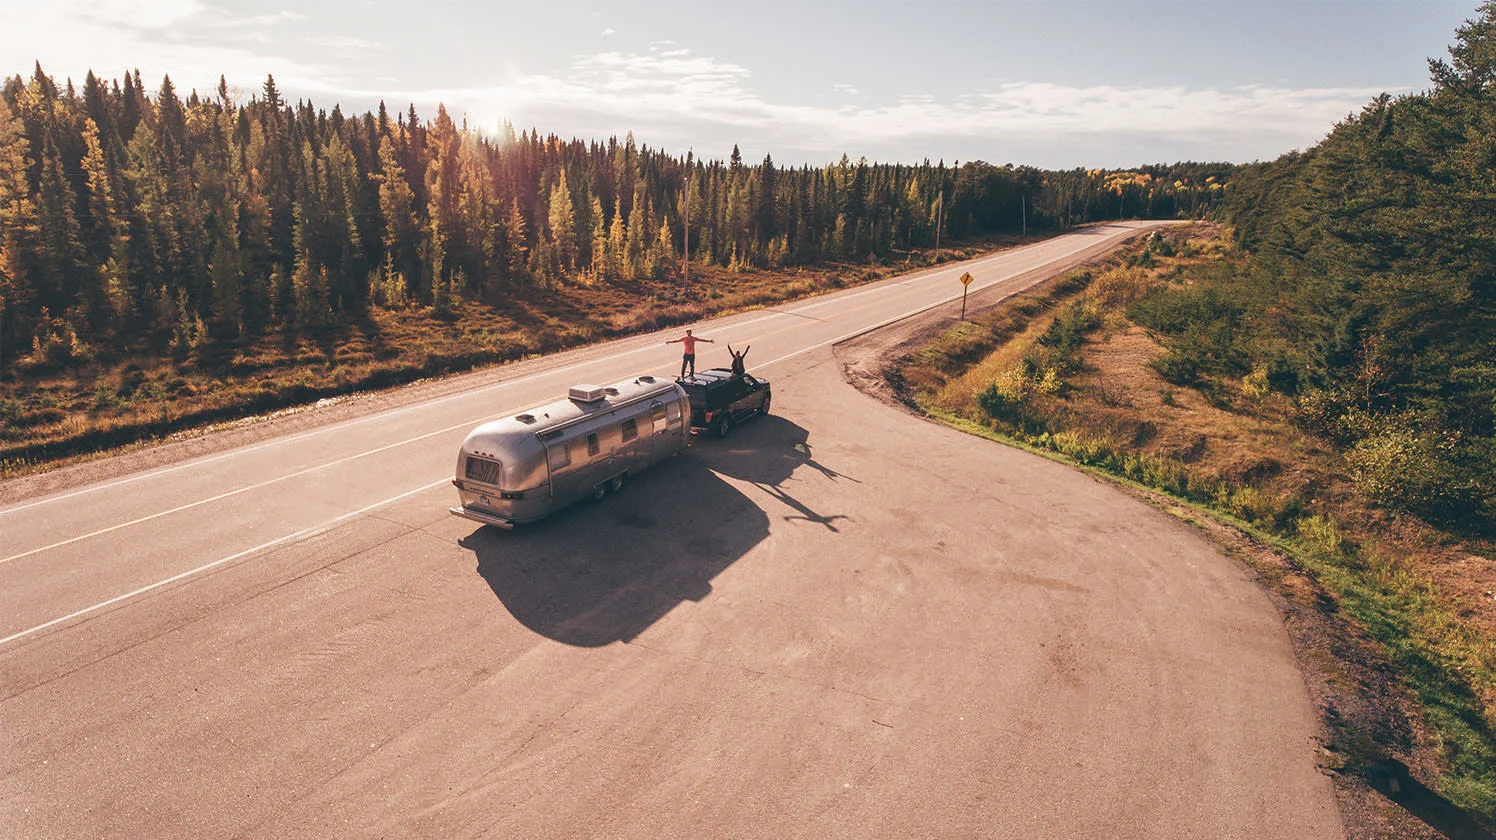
[[965, 286]]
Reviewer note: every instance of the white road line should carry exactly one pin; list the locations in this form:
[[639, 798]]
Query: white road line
[[244, 489], [911, 313], [813, 304], [305, 532], [821, 300], [324, 526], [233, 453], [288, 476], [463, 395]]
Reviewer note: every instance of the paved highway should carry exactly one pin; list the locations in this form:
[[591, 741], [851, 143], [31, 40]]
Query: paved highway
[[841, 621]]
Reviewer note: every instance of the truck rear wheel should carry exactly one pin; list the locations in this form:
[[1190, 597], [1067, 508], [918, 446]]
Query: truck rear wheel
[[724, 425]]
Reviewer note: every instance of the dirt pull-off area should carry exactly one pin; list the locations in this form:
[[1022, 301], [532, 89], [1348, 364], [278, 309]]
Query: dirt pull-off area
[[1373, 741]]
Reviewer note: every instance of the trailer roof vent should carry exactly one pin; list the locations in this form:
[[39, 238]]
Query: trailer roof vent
[[647, 380], [612, 392], [587, 393], [525, 418]]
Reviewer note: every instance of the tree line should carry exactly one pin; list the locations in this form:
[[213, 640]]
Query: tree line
[[1369, 291], [163, 224]]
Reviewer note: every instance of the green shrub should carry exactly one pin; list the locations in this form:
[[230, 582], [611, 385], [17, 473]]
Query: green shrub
[[1435, 475], [999, 403], [1282, 377], [1177, 368], [1321, 533]]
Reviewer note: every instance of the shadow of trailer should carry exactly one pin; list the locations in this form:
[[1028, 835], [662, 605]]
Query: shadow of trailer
[[527, 466]]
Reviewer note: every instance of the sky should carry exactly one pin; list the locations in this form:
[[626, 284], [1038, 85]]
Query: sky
[[1055, 84]]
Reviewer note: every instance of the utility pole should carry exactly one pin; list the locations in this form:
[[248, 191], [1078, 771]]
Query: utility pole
[[686, 267], [939, 218]]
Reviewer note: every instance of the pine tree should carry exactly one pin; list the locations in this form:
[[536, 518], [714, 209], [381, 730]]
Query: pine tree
[[766, 219], [477, 224], [663, 255], [399, 224], [271, 100], [516, 251], [342, 195], [18, 235], [61, 257], [562, 219], [171, 122], [309, 284], [227, 276], [600, 266], [108, 300], [635, 248], [442, 185]]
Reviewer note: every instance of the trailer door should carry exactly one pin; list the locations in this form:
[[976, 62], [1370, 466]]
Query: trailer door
[[658, 446]]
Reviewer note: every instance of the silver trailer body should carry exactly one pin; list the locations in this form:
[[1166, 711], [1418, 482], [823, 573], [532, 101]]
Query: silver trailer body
[[523, 467]]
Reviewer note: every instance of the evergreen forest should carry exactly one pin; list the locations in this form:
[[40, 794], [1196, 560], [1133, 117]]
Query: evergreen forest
[[148, 224], [1369, 290]]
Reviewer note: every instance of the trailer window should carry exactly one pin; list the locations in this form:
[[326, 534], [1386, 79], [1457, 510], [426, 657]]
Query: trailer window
[[559, 455], [630, 429], [592, 446], [673, 410], [483, 471]]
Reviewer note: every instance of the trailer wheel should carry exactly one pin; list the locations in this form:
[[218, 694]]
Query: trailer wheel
[[725, 424], [616, 484], [599, 492]]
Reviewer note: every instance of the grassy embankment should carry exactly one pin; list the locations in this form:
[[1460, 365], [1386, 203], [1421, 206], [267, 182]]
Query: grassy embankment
[[49, 417], [1063, 371]]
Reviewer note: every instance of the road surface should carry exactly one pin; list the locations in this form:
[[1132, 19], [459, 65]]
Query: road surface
[[841, 621]]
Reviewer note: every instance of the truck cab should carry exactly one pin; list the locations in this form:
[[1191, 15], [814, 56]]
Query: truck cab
[[721, 400]]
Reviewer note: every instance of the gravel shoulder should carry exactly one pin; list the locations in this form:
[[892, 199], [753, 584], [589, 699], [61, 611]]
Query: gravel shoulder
[[1349, 681]]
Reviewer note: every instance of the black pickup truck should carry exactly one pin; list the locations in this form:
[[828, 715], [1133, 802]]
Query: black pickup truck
[[719, 399]]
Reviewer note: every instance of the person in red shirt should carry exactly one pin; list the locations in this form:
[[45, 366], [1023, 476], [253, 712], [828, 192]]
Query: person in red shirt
[[688, 358]]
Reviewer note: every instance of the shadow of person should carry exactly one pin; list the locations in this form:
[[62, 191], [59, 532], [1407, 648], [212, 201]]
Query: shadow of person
[[597, 573], [767, 452], [806, 514]]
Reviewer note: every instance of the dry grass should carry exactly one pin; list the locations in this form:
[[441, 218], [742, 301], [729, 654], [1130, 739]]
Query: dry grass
[[1425, 596], [50, 419]]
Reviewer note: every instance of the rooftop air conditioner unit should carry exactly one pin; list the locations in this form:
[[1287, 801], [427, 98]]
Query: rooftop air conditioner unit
[[587, 393]]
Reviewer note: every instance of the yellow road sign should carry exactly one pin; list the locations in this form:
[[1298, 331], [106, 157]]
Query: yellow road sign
[[966, 279]]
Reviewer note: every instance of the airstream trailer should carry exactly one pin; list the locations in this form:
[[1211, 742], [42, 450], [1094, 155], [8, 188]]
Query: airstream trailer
[[533, 463]]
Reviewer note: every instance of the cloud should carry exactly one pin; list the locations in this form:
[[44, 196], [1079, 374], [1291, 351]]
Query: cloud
[[134, 14], [190, 40], [344, 44], [674, 99], [609, 31]]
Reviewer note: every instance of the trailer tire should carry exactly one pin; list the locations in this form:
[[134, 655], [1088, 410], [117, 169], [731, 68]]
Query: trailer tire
[[599, 492], [615, 484]]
